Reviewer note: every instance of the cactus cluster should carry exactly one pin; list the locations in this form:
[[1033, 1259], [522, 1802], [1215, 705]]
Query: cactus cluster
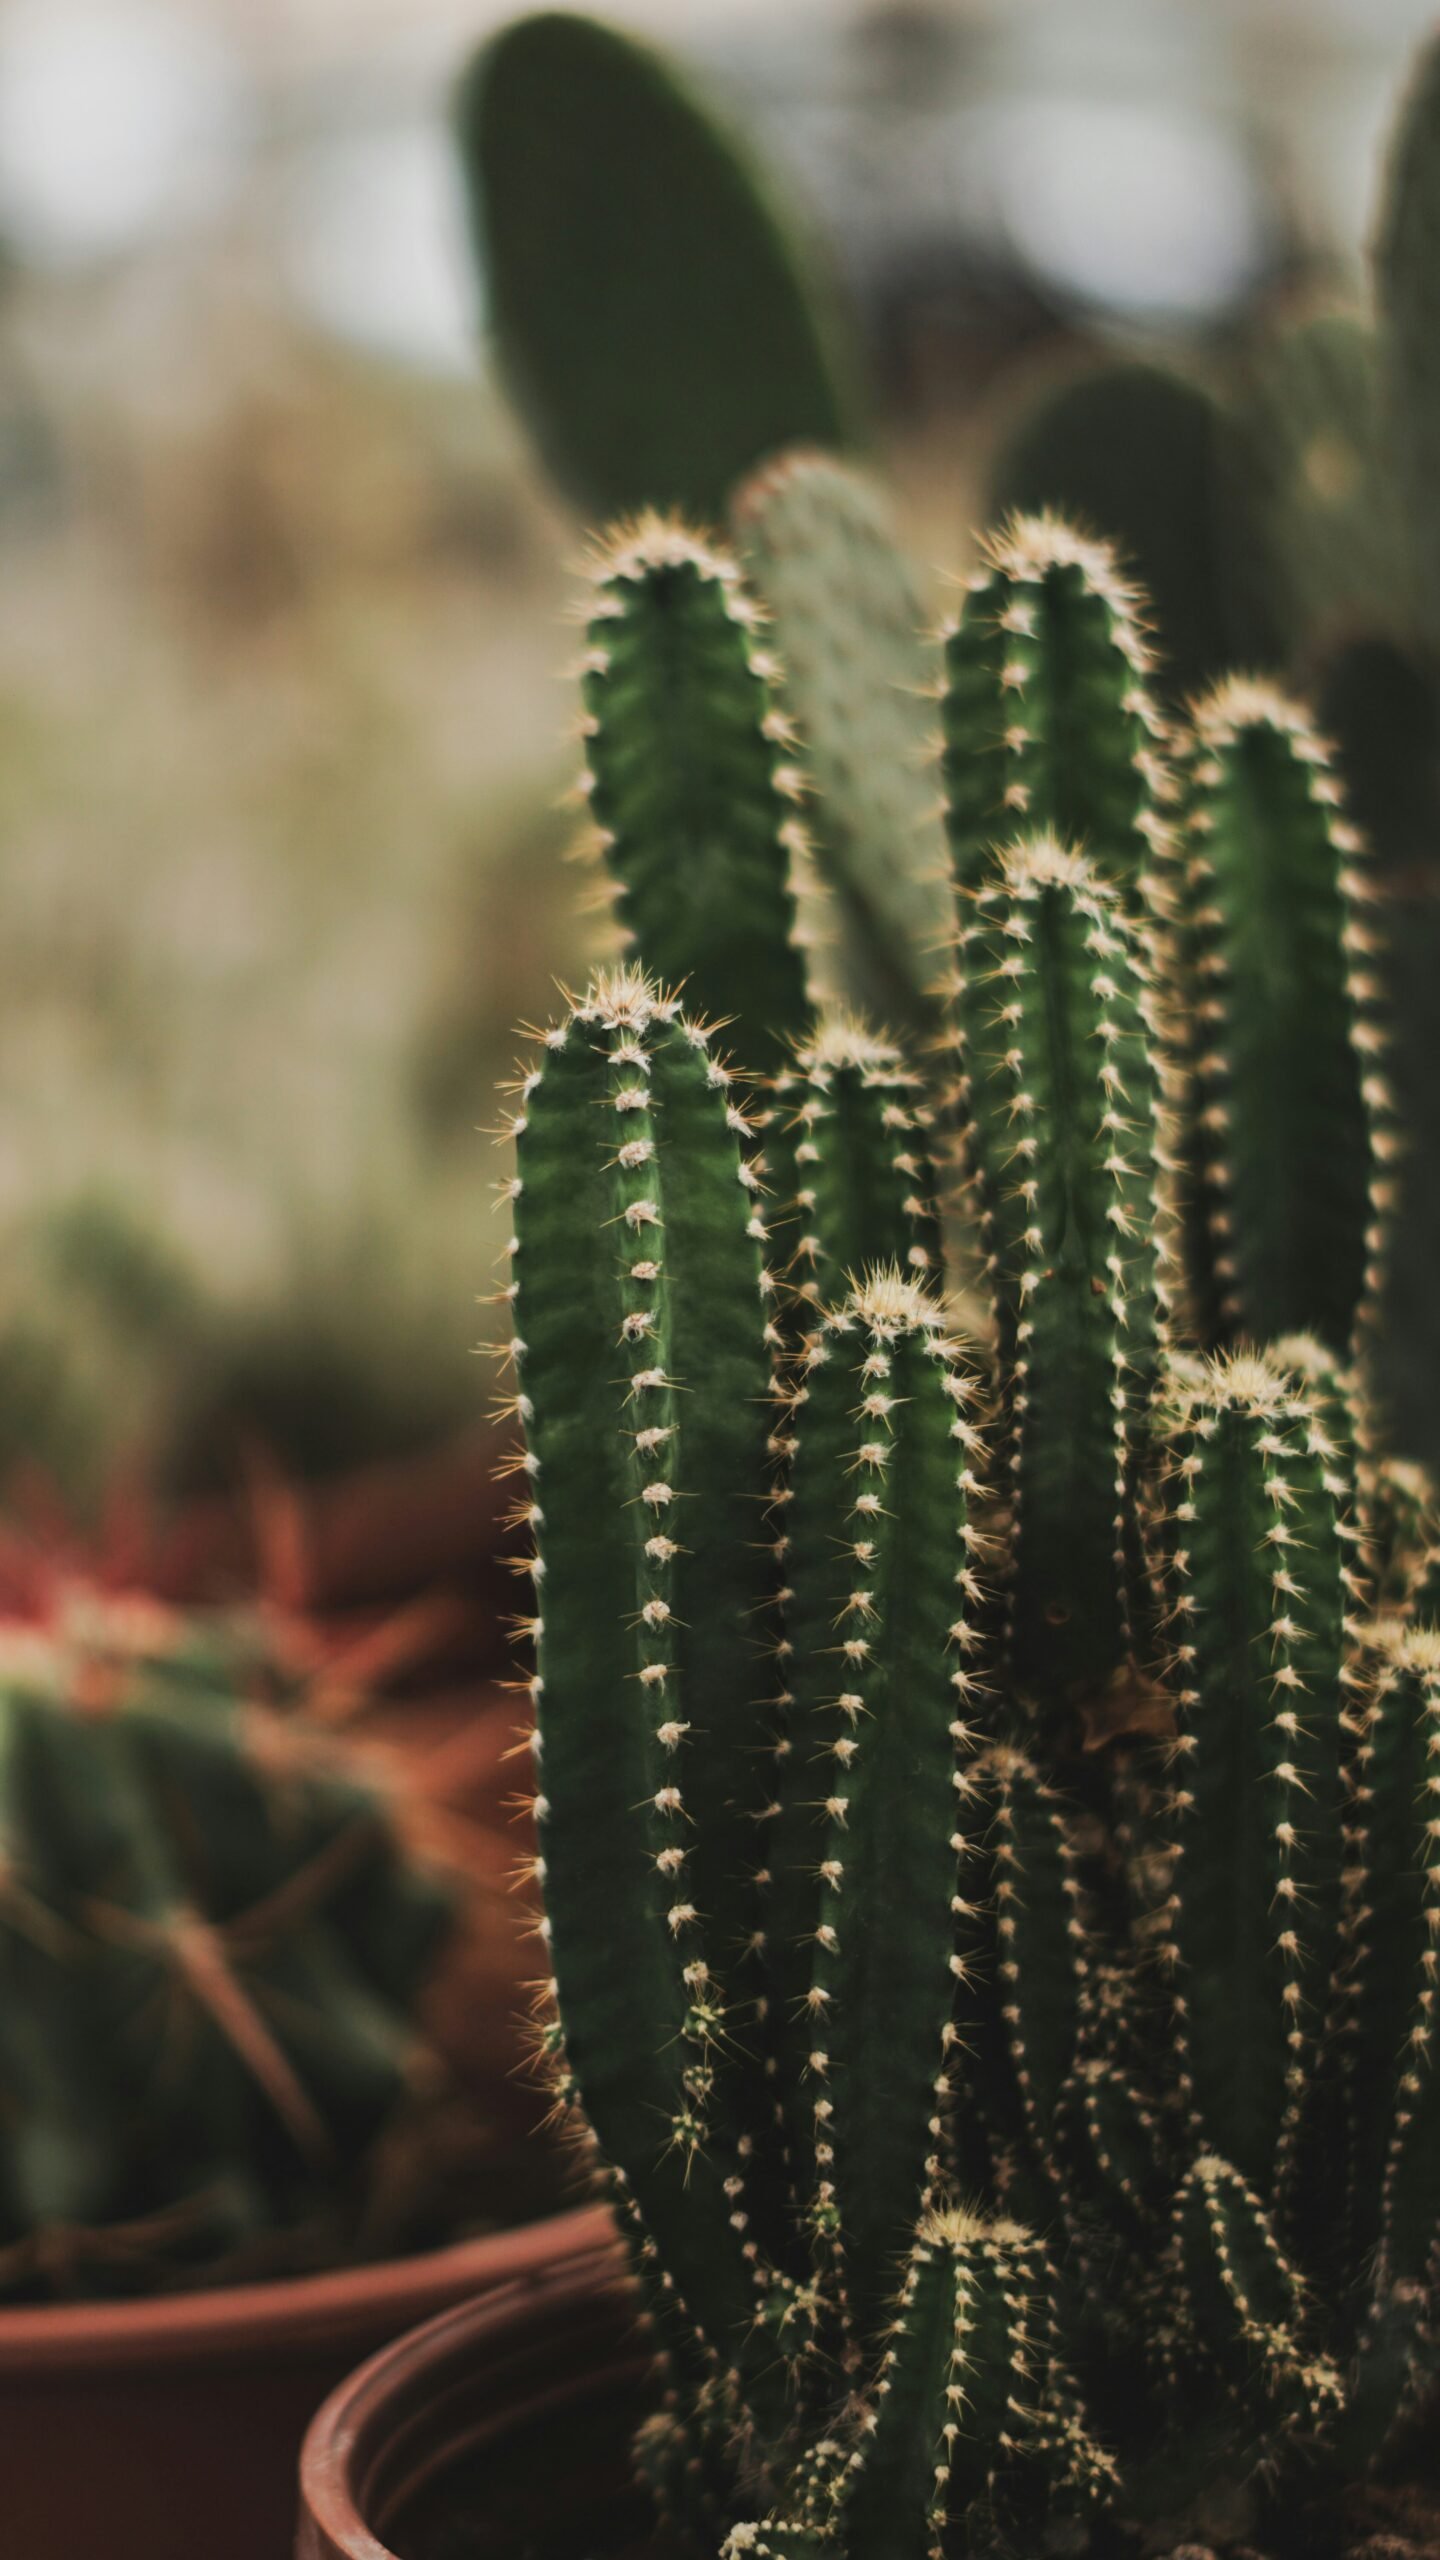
[[213, 1944], [987, 1713]]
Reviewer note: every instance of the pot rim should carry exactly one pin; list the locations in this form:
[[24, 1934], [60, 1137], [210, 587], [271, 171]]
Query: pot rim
[[414, 2367], [285, 2315]]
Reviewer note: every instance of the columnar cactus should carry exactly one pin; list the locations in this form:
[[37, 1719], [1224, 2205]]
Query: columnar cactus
[[212, 1948], [988, 1757]]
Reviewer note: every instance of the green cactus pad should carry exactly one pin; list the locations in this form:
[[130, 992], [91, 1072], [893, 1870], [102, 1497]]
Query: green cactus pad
[[657, 325], [686, 785]]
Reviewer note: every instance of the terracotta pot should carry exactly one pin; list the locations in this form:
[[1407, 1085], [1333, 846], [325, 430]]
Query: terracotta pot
[[169, 2430], [496, 2431]]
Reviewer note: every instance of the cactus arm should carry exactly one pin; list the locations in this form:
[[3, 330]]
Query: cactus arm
[[1058, 1090], [1253, 1573], [1238, 2306], [847, 616], [968, 2423], [687, 787], [1046, 721], [600, 1271], [818, 1433], [879, 1997], [865, 1182], [1023, 1958], [1286, 1090]]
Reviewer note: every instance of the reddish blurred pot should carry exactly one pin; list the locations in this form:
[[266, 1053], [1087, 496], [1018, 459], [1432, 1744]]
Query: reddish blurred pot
[[498, 2430], [169, 2430]]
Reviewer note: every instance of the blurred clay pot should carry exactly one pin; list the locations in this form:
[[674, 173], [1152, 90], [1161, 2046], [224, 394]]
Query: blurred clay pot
[[169, 2429], [500, 2431]]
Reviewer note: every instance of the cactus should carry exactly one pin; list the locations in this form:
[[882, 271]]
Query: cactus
[[1405, 248], [685, 782], [846, 616], [659, 327], [212, 1948], [1047, 723], [988, 1834], [1286, 1105]]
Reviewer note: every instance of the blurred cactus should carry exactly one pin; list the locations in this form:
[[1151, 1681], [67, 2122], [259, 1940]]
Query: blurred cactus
[[988, 1836], [846, 616], [1405, 255], [655, 320], [213, 1944]]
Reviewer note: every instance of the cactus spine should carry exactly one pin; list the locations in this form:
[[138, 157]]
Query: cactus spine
[[989, 1845]]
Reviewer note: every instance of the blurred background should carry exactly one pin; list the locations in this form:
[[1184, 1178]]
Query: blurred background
[[282, 744]]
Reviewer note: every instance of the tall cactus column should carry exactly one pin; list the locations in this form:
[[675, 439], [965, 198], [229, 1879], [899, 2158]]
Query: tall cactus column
[[640, 1341], [1057, 1089]]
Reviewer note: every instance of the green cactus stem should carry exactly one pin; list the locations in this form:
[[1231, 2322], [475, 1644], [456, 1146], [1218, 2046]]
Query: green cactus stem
[[880, 1716], [858, 1128], [1047, 725], [212, 1947], [1282, 1051], [1052, 1012], [1144, 455], [974, 2421], [1238, 2311], [1389, 1974], [1023, 1963], [659, 327], [1254, 1570], [690, 795], [643, 1373], [848, 618], [1405, 252]]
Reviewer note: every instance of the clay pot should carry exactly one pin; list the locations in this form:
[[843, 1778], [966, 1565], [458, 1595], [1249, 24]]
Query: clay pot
[[496, 2431], [169, 2430]]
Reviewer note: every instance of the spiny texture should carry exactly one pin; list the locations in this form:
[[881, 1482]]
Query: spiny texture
[[212, 1947], [1280, 1043], [1057, 1089], [686, 783], [878, 1715], [846, 613], [851, 1126], [988, 1835], [1253, 1570], [1047, 724], [644, 1375]]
